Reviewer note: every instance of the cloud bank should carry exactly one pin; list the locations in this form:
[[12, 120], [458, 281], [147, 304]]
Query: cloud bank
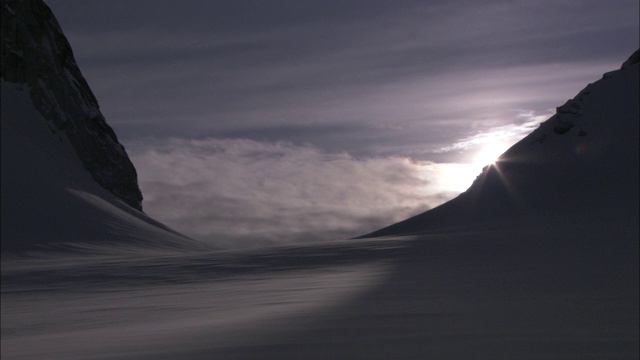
[[240, 192]]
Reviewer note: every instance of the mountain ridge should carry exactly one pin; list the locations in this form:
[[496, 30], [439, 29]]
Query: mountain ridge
[[67, 183], [580, 165], [36, 53]]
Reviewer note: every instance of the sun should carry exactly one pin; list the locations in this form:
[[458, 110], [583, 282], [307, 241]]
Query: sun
[[488, 154]]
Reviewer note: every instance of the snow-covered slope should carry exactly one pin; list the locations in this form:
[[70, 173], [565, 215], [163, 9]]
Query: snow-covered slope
[[36, 53], [65, 178], [49, 199], [581, 165]]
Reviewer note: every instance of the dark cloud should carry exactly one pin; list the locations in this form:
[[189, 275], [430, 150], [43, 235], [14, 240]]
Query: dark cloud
[[213, 68]]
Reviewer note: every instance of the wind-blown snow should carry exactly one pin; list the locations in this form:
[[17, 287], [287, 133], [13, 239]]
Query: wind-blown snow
[[527, 293]]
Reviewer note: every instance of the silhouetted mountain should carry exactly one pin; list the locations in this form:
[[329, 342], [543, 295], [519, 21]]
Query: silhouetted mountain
[[581, 165]]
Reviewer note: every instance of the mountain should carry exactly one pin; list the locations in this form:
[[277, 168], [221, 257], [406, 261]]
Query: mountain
[[579, 166], [36, 53], [65, 177]]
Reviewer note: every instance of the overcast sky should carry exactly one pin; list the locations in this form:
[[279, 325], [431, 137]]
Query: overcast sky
[[276, 121]]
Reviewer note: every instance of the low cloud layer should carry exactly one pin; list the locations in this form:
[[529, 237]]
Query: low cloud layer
[[498, 139], [246, 193]]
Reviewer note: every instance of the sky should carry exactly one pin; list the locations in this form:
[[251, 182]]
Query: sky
[[269, 122]]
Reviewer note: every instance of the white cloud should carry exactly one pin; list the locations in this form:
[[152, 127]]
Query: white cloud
[[499, 137], [247, 193]]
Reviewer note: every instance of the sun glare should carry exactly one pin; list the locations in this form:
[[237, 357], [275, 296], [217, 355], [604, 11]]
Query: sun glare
[[458, 177], [489, 154]]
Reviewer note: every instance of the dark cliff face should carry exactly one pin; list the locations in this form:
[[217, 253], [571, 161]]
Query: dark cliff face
[[36, 53]]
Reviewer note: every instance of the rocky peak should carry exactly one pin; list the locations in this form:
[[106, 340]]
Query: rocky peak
[[36, 53], [633, 59]]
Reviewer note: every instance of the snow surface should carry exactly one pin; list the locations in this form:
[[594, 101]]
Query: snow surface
[[558, 293], [499, 280]]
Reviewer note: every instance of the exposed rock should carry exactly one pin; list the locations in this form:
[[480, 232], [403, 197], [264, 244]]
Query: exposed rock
[[570, 107], [36, 53], [562, 125]]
